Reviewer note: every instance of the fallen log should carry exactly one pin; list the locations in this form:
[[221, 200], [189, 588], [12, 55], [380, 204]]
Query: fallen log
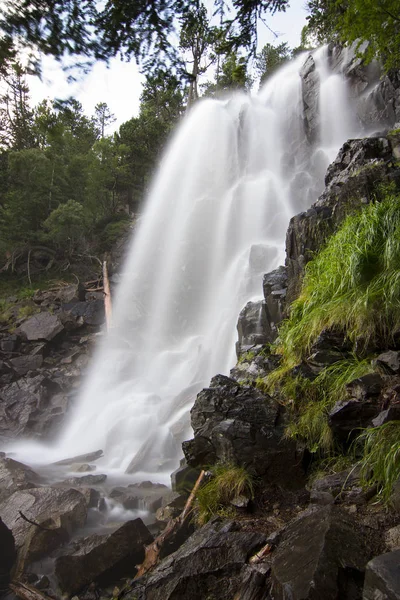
[[107, 296], [152, 552], [27, 592]]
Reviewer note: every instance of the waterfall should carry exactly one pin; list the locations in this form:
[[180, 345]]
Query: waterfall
[[215, 221]]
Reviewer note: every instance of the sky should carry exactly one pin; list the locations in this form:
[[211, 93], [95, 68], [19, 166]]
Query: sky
[[120, 84]]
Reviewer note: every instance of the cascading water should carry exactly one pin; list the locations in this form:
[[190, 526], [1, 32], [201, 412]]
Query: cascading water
[[215, 221]]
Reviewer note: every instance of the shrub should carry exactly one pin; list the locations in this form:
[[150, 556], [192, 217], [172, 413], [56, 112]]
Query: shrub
[[214, 497]]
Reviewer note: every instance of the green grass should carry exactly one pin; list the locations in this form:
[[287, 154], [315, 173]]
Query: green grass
[[352, 285], [214, 497], [380, 463]]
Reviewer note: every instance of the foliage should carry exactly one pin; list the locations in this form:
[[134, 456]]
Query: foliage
[[247, 357], [114, 231], [311, 400], [143, 30], [232, 75], [353, 284], [270, 58], [380, 462], [213, 498], [66, 224], [377, 23]]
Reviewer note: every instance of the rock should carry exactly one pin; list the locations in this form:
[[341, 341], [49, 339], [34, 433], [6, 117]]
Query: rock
[[9, 344], [239, 424], [310, 85], [25, 363], [136, 496], [349, 416], [392, 538], [389, 361], [319, 554], [253, 326], [365, 387], [89, 313], [390, 414], [81, 458], [58, 512], [86, 480], [103, 558], [43, 326], [7, 556], [337, 483], [208, 565], [15, 476], [172, 509], [184, 478], [322, 498], [382, 577]]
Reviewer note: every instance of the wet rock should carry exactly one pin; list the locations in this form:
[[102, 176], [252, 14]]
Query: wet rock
[[25, 363], [15, 476], [382, 577], [239, 424], [88, 313], [337, 483], [9, 344], [322, 498], [365, 387], [310, 85], [184, 478], [57, 511], [172, 509], [317, 557], [81, 458], [103, 558], [85, 480], [349, 416], [144, 497], [390, 414], [389, 361], [7, 556], [43, 326], [208, 565], [253, 326]]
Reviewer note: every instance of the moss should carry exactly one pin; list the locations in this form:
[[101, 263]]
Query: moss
[[246, 357]]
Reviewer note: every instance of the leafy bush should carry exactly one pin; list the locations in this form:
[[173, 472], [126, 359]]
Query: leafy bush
[[66, 224], [214, 497]]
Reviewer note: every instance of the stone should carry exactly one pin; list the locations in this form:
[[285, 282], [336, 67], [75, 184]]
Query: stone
[[103, 558], [382, 577], [89, 313], [240, 424], [9, 344], [322, 498], [336, 483], [43, 326], [317, 556], [367, 386], [86, 480], [392, 538], [58, 511], [81, 458], [253, 326], [389, 361], [184, 478], [15, 476], [26, 362], [208, 565], [349, 416], [310, 86], [149, 498], [390, 414], [7, 556]]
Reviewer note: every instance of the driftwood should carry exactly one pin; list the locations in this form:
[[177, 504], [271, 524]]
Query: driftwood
[[107, 296], [27, 592], [152, 552]]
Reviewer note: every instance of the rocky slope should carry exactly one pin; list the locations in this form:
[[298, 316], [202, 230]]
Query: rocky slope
[[299, 538]]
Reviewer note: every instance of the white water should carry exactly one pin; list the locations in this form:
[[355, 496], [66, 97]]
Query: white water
[[214, 223]]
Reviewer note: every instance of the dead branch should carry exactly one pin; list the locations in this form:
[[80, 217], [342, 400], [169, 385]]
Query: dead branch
[[152, 552], [107, 296], [27, 592], [265, 550]]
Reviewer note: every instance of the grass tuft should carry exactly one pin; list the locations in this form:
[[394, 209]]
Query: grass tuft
[[380, 463], [214, 497]]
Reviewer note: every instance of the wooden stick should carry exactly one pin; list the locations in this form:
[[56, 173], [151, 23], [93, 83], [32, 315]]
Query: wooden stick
[[107, 296], [27, 592], [152, 552]]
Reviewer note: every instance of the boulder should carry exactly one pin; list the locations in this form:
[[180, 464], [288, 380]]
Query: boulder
[[184, 478], [57, 512], [310, 85], [81, 458], [15, 476], [237, 423], [208, 565], [43, 326], [253, 326], [320, 555], [148, 497], [103, 558], [87, 313], [389, 361], [392, 538], [349, 416], [26, 362], [7, 556], [382, 577]]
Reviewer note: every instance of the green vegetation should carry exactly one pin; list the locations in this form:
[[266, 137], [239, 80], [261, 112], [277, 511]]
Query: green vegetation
[[380, 463], [247, 357], [213, 498], [353, 284]]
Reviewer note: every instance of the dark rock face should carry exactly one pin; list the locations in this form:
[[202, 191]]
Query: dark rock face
[[43, 326], [382, 577], [57, 511], [253, 326], [103, 558], [7, 556], [208, 565], [316, 553], [350, 182], [239, 424]]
